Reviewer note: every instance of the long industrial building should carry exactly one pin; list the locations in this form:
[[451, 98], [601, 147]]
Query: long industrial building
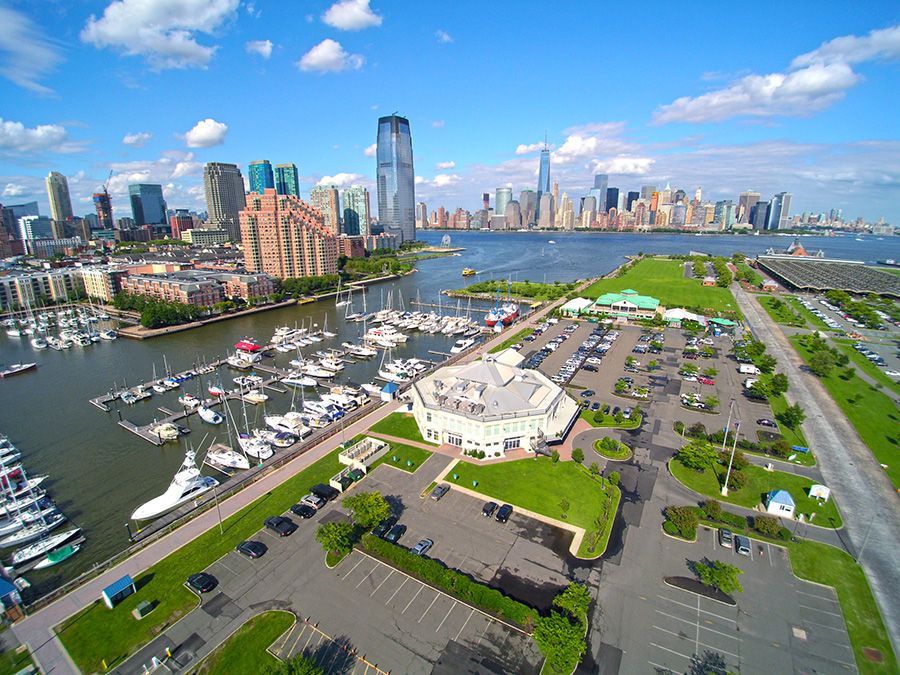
[[822, 274]]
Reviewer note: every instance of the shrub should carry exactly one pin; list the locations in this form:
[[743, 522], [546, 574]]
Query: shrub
[[712, 509], [785, 534], [555, 456], [697, 455], [767, 525], [685, 518], [594, 469], [697, 429], [739, 463], [614, 478], [736, 480], [718, 574], [679, 427], [734, 520], [578, 455], [670, 529]]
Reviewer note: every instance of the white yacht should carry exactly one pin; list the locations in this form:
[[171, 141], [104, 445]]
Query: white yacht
[[187, 484], [323, 409], [35, 530], [291, 422], [372, 388], [299, 380], [189, 401], [227, 458], [279, 439], [39, 343], [255, 447], [209, 415], [461, 345], [166, 431], [108, 335], [255, 396]]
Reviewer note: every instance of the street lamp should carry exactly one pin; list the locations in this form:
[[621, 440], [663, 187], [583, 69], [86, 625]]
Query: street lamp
[[731, 460]]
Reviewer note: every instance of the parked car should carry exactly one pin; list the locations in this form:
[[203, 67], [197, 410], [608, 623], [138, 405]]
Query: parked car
[[767, 423], [281, 525], [395, 533], [303, 510], [742, 544], [587, 393], [595, 405], [488, 509], [440, 491], [707, 381], [314, 501], [325, 492], [202, 582], [725, 538], [689, 378], [252, 549], [422, 547], [590, 368], [503, 513], [385, 526], [626, 413]]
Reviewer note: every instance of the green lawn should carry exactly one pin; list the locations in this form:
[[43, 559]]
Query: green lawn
[[609, 421], [871, 412], [11, 662], [755, 278], [541, 486], [793, 436], [401, 425], [245, 651], [781, 313], [620, 455], [664, 279], [403, 453], [759, 482], [97, 633], [867, 366], [806, 314], [511, 340]]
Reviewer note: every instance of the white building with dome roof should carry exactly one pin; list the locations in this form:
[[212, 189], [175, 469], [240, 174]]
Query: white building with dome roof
[[492, 405]]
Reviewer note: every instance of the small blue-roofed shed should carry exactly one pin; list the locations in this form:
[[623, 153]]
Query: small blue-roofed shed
[[389, 391], [780, 503], [118, 590]]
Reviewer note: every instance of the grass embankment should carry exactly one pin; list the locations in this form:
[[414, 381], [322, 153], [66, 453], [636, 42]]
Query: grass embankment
[[12, 662], [403, 453], [527, 290], [245, 651], [596, 419], [664, 279], [781, 312], [401, 425], [867, 366], [871, 412], [759, 482], [96, 633], [511, 340], [564, 491]]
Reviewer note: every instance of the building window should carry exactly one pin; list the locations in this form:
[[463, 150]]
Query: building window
[[454, 439], [427, 417], [511, 443]]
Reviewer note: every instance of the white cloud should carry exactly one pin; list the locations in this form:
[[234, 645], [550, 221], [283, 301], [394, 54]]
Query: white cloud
[[14, 190], [261, 48], [814, 81], [370, 151], [446, 165], [341, 179], [329, 57], [15, 137], [443, 36], [137, 140], [26, 55], [163, 31], [438, 124], [351, 15], [206, 133], [443, 180], [523, 149], [623, 165]]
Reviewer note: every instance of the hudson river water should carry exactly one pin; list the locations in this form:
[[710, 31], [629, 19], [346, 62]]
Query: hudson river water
[[100, 472]]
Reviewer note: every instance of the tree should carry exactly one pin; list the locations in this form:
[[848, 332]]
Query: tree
[[685, 518], [621, 386], [767, 363], [736, 479], [709, 663], [778, 383], [712, 509], [614, 478], [780, 448], [710, 372], [653, 365], [560, 640], [821, 362], [697, 455], [711, 402], [594, 469], [760, 389], [335, 537], [368, 508], [299, 665], [718, 574], [578, 455], [792, 416], [767, 525], [575, 599], [690, 369], [697, 429]]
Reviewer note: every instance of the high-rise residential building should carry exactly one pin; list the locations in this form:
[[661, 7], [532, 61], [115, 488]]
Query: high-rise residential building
[[327, 199], [356, 211], [261, 176], [103, 206], [588, 211], [181, 221], [460, 220], [486, 201], [780, 212], [547, 218], [555, 192], [285, 237], [287, 180], [746, 200], [698, 195], [225, 198], [513, 213], [440, 219], [631, 199], [396, 177], [543, 186], [147, 204], [528, 204], [421, 215], [58, 194], [502, 197], [612, 199], [35, 227]]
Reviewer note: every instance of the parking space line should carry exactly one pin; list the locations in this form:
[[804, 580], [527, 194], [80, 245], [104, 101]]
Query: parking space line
[[840, 629], [671, 650], [697, 639], [659, 667], [817, 596], [296, 640], [682, 636], [428, 610], [688, 621], [445, 616], [221, 561], [312, 634], [816, 609], [398, 590], [381, 584], [769, 547], [464, 624], [413, 598], [719, 616], [487, 624], [367, 576], [353, 569]]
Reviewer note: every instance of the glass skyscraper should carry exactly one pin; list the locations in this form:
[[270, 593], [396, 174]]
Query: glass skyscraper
[[601, 182], [356, 210], [543, 185], [395, 177], [287, 181], [147, 204], [261, 176]]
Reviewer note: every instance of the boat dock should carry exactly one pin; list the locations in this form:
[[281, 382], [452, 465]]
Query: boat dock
[[419, 303]]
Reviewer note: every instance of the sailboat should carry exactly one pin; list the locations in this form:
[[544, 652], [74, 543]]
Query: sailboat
[[188, 484], [59, 555], [227, 458], [39, 548], [34, 531], [252, 446], [209, 415], [338, 301]]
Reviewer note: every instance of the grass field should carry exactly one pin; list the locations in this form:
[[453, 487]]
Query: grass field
[[609, 421], [759, 482], [781, 313], [620, 455], [11, 663], [806, 314], [401, 425], [245, 651], [404, 454], [541, 486], [754, 277], [664, 279], [97, 633], [511, 340], [867, 366], [793, 436], [871, 412]]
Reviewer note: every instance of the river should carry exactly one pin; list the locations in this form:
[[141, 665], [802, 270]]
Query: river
[[100, 472]]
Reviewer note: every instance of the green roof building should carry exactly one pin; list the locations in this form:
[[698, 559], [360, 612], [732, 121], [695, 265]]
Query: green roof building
[[627, 303]]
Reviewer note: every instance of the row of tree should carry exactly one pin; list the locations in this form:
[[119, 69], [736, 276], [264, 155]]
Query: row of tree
[[158, 313]]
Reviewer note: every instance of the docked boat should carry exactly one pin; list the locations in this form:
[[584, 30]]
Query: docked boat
[[503, 314], [255, 447], [215, 390], [280, 439], [189, 401], [332, 364], [108, 335], [299, 380], [209, 415], [291, 422], [39, 343], [372, 388], [33, 531], [166, 431], [255, 396], [17, 368], [248, 381], [42, 547], [461, 345], [318, 372], [58, 556], [323, 409], [188, 484], [227, 458], [159, 388]]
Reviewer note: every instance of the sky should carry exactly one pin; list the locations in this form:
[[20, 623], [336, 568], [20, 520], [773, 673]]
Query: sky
[[789, 96]]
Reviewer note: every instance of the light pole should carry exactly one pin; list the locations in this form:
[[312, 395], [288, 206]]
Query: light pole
[[737, 426]]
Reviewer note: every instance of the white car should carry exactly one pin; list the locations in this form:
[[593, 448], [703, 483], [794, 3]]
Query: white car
[[892, 373], [689, 378]]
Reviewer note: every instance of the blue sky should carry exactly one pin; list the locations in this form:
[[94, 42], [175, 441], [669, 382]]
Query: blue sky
[[795, 96]]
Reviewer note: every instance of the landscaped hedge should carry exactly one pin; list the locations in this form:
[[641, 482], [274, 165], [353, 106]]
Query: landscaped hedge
[[451, 582]]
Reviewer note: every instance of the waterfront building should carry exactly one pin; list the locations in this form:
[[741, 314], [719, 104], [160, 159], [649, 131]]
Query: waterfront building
[[528, 205], [679, 215], [601, 184], [261, 176], [486, 201], [759, 215], [223, 185], [630, 199], [181, 221], [23, 289], [352, 247], [327, 200], [287, 179], [543, 186], [460, 220], [555, 192], [58, 194], [746, 201], [780, 212], [102, 282], [356, 211], [201, 236], [513, 215], [440, 218], [103, 206], [492, 405], [396, 176], [627, 304], [35, 227], [147, 204], [422, 215], [171, 288], [588, 210], [285, 237], [382, 242], [612, 199]]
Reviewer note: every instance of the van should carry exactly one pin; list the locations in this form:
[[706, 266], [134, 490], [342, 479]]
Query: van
[[748, 369], [742, 545]]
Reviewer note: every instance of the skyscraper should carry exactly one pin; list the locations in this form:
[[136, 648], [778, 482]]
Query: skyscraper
[[503, 196], [181, 221], [486, 200], [103, 206], [759, 215], [396, 177], [58, 194], [261, 176], [421, 215], [780, 215], [528, 204], [631, 199], [287, 181], [327, 199], [356, 210], [513, 214], [543, 185], [612, 199], [147, 204], [647, 191], [547, 216], [601, 182], [745, 204], [224, 188]]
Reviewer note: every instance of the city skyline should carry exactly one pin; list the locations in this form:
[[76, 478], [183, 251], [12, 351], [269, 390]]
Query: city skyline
[[796, 114]]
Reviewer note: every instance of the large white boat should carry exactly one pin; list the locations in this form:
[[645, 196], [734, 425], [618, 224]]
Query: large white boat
[[461, 345], [39, 343], [166, 432], [323, 409], [227, 458], [279, 439], [209, 415], [17, 368], [299, 380], [39, 548], [187, 484], [255, 396], [291, 422], [33, 531], [255, 447]]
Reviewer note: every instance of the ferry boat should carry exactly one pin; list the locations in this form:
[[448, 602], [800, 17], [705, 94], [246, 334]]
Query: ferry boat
[[469, 272]]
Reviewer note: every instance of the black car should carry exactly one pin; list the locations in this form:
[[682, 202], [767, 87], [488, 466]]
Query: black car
[[282, 526], [440, 491], [587, 393], [202, 582], [325, 492], [489, 509], [303, 510], [503, 513], [590, 368], [252, 549], [395, 533], [384, 526]]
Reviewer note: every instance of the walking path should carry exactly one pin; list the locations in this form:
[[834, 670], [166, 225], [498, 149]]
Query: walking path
[[867, 499]]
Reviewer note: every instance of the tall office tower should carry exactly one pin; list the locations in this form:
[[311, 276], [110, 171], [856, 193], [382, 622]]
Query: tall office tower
[[647, 191], [759, 215], [612, 199], [326, 199], [679, 215], [261, 176], [421, 214], [780, 215], [547, 218], [286, 237], [503, 196], [601, 183], [396, 177], [147, 204], [665, 196], [103, 206], [588, 211], [513, 213], [58, 193], [746, 200], [566, 208], [528, 204], [631, 198], [543, 186], [225, 199], [181, 221], [486, 201], [287, 180], [555, 192], [356, 210]]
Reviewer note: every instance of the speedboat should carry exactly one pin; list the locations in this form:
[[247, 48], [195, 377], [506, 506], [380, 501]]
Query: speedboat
[[108, 334], [280, 439], [226, 457], [461, 345], [209, 415], [188, 484], [17, 368], [332, 364], [216, 391], [315, 371], [159, 388], [255, 447], [248, 381], [255, 396], [39, 343], [57, 556], [166, 431], [299, 380], [39, 548], [291, 422]]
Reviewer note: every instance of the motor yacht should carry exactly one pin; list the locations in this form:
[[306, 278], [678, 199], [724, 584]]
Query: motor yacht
[[189, 401], [248, 381], [291, 422], [222, 456], [188, 484], [299, 380], [323, 409], [166, 431], [108, 335], [279, 439], [461, 345], [255, 396], [17, 368], [255, 447]]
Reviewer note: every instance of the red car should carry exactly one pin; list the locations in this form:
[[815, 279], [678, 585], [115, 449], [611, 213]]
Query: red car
[[706, 381]]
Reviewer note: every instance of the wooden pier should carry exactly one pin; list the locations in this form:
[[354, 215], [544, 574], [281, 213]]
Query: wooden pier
[[447, 307]]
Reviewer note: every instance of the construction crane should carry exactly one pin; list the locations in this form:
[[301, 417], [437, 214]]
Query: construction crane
[[108, 178]]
